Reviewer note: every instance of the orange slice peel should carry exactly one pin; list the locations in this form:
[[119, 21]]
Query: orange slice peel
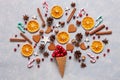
[[62, 37], [33, 26], [56, 11], [27, 50], [97, 46], [88, 23]]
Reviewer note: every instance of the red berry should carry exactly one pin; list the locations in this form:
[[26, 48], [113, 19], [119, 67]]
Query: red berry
[[87, 14], [99, 37], [80, 15], [42, 59], [97, 57], [62, 54], [15, 49], [104, 55], [93, 37], [108, 50], [106, 28], [51, 59], [18, 45], [58, 55], [53, 55], [79, 60], [70, 57], [15, 35]]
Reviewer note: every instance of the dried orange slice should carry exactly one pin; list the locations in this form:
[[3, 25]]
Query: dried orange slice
[[56, 11], [62, 37], [97, 46], [33, 26], [27, 50], [88, 23]]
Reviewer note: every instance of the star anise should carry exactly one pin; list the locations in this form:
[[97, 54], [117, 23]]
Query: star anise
[[83, 65], [77, 54], [79, 36], [105, 41], [41, 47], [49, 21], [25, 17], [52, 38], [46, 54]]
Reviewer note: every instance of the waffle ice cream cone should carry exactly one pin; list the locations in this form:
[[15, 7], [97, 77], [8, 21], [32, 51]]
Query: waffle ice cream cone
[[61, 61]]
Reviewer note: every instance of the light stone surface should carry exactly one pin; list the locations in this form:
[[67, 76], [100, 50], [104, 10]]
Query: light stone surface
[[13, 65]]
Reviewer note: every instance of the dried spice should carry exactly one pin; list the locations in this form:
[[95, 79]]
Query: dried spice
[[49, 21], [77, 44], [73, 4], [62, 24], [78, 23], [73, 41], [52, 38], [79, 36], [25, 18], [83, 58], [41, 32], [37, 60], [83, 65], [46, 54], [77, 54], [41, 47], [105, 41]]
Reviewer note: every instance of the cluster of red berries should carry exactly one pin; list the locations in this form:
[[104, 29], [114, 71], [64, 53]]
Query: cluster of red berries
[[59, 52]]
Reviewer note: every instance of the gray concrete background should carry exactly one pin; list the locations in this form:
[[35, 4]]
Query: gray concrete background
[[13, 65]]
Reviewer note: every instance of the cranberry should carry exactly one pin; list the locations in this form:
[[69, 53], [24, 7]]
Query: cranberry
[[34, 46], [62, 54], [104, 55], [42, 37], [66, 14], [15, 35], [70, 57], [79, 60], [80, 15], [38, 66], [108, 50], [87, 14], [99, 37], [53, 55], [93, 37], [51, 59], [43, 59], [45, 15], [58, 55], [71, 51], [15, 49], [97, 57], [106, 28], [28, 58], [18, 45]]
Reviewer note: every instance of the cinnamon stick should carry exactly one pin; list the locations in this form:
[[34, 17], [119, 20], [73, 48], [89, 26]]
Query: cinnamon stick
[[26, 38], [71, 15], [97, 29], [40, 15], [17, 40], [104, 33]]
